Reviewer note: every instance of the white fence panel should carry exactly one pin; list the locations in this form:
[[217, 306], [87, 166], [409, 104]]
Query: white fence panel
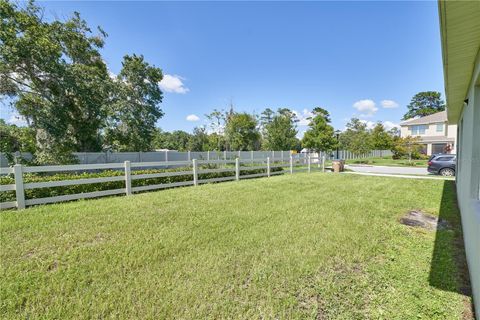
[[160, 156], [197, 162]]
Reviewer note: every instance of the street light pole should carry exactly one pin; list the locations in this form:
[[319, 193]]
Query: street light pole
[[337, 134]]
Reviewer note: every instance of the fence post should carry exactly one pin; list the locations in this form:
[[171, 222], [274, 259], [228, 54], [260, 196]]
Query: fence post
[[166, 155], [128, 178], [309, 162], [195, 172], [291, 164], [237, 169], [251, 156], [189, 156], [225, 155], [268, 166], [19, 191], [323, 163]]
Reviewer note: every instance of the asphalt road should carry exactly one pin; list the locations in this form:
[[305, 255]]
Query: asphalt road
[[388, 170]]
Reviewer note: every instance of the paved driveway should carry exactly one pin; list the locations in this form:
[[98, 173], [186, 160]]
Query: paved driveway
[[388, 170]]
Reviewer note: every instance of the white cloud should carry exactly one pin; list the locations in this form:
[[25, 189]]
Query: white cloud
[[303, 117], [192, 117], [173, 83], [367, 107], [219, 130], [390, 125], [389, 104], [370, 124]]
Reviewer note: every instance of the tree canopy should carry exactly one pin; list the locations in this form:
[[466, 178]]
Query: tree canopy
[[320, 136], [13, 139], [241, 132], [424, 104], [279, 129], [56, 78], [177, 140], [381, 139], [356, 138], [409, 147], [135, 106]]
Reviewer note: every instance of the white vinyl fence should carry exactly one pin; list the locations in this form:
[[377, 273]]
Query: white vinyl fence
[[194, 167], [157, 156]]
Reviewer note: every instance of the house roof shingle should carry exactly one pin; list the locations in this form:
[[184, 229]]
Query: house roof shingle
[[433, 118]]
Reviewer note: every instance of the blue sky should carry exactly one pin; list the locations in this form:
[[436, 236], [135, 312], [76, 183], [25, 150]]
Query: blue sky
[[346, 57]]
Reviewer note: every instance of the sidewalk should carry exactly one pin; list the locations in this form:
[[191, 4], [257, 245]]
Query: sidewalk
[[430, 177], [388, 169]]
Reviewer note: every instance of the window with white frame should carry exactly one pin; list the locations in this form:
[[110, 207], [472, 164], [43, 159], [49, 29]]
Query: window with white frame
[[439, 127], [418, 130]]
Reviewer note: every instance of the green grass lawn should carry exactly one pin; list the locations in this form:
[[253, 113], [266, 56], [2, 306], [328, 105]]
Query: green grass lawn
[[307, 246], [388, 161]]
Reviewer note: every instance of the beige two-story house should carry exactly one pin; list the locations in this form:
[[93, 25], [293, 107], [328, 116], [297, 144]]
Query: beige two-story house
[[436, 134]]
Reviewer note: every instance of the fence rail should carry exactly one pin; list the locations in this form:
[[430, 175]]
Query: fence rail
[[194, 168], [240, 167], [171, 156]]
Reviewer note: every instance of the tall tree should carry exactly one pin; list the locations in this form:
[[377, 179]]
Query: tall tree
[[199, 140], [217, 119], [136, 106], [424, 103], [55, 76], [356, 138], [381, 139], [320, 136], [216, 142], [266, 116], [279, 129], [241, 132]]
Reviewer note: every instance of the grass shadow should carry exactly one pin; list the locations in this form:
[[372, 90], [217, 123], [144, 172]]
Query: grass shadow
[[448, 269]]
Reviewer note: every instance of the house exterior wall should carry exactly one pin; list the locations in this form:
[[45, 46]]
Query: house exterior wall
[[404, 132], [431, 131], [452, 131], [468, 180], [449, 131]]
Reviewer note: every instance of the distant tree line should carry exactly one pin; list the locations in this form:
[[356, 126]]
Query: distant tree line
[[52, 73], [239, 131]]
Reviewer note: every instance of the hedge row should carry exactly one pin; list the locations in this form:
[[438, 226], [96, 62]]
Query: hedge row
[[64, 190]]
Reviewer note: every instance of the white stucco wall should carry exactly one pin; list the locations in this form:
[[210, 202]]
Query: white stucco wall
[[452, 131], [431, 131], [404, 132], [468, 181]]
